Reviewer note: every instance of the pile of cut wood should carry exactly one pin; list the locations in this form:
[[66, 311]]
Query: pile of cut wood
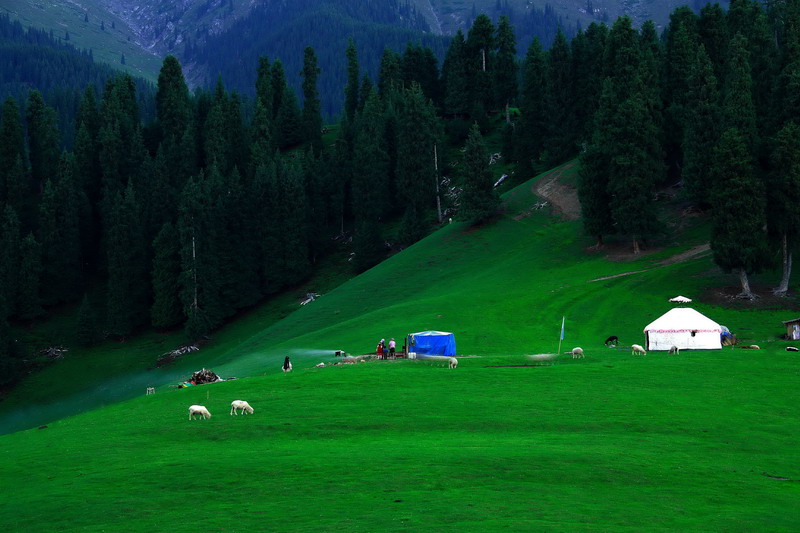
[[204, 376]]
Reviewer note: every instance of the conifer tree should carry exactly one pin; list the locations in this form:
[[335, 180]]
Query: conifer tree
[[713, 30], [11, 142], [279, 87], [389, 76], [738, 109], [29, 304], [129, 294], [702, 128], [418, 133], [353, 78], [587, 60], [59, 234], [560, 140], [371, 203], [533, 122], [289, 121], [480, 45], [43, 140], [294, 234], [455, 77], [478, 199], [9, 262], [737, 237], [312, 108], [172, 100], [783, 197], [505, 68], [166, 310]]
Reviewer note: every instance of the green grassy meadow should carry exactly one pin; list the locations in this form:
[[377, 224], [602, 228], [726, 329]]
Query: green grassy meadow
[[702, 441]]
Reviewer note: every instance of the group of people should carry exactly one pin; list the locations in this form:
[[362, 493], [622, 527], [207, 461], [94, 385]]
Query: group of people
[[384, 351]]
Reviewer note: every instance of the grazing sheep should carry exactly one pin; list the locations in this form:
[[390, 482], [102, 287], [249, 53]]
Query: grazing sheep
[[236, 405], [453, 362], [287, 365], [750, 347], [150, 390], [674, 350], [636, 349], [577, 353], [198, 410], [613, 339]]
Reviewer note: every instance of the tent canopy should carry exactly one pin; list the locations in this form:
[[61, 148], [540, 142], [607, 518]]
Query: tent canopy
[[685, 328], [432, 343]]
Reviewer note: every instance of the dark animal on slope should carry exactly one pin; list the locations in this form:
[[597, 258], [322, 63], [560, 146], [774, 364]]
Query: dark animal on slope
[[613, 339]]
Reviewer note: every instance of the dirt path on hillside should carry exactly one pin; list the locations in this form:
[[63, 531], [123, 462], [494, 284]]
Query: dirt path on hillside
[[692, 253], [563, 198]]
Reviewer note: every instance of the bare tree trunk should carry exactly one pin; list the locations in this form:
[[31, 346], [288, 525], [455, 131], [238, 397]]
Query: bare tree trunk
[[746, 293], [438, 198], [636, 249], [483, 55], [783, 288]]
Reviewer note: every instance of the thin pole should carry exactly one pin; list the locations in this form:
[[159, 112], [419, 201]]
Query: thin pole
[[561, 337]]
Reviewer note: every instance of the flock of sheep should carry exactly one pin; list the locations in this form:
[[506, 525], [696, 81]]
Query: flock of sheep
[[236, 407], [636, 349]]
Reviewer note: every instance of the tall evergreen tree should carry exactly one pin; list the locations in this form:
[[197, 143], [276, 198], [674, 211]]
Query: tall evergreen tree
[[12, 142], [418, 133], [172, 100], [783, 197], [371, 202], [353, 78], [702, 128], [479, 50], [478, 200], [737, 237], [166, 310], [389, 76], [505, 71], [129, 294], [560, 140], [455, 77], [533, 122], [587, 60], [9, 262], [738, 109], [43, 139], [29, 303], [312, 108], [59, 234]]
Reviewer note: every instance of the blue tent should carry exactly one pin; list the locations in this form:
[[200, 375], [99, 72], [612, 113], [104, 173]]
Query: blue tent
[[432, 343]]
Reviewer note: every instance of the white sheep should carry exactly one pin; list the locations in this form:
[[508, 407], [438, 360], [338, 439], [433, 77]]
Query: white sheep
[[577, 353], [199, 410], [150, 390], [636, 349], [240, 404], [453, 362], [674, 350]]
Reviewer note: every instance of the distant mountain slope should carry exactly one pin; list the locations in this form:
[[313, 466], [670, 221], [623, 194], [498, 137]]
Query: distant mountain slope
[[145, 32], [282, 32], [33, 59]]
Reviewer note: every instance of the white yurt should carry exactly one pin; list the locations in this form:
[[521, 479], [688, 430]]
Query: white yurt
[[685, 328]]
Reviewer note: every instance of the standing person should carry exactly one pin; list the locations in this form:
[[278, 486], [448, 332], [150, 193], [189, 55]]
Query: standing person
[[392, 347], [287, 366], [379, 350]]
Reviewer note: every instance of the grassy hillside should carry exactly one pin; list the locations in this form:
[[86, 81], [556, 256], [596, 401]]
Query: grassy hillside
[[696, 442], [502, 290], [108, 43]]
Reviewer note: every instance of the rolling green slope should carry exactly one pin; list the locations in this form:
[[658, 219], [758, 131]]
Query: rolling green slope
[[702, 441], [502, 289]]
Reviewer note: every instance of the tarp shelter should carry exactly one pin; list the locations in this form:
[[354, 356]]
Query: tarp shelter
[[432, 343], [685, 328]]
